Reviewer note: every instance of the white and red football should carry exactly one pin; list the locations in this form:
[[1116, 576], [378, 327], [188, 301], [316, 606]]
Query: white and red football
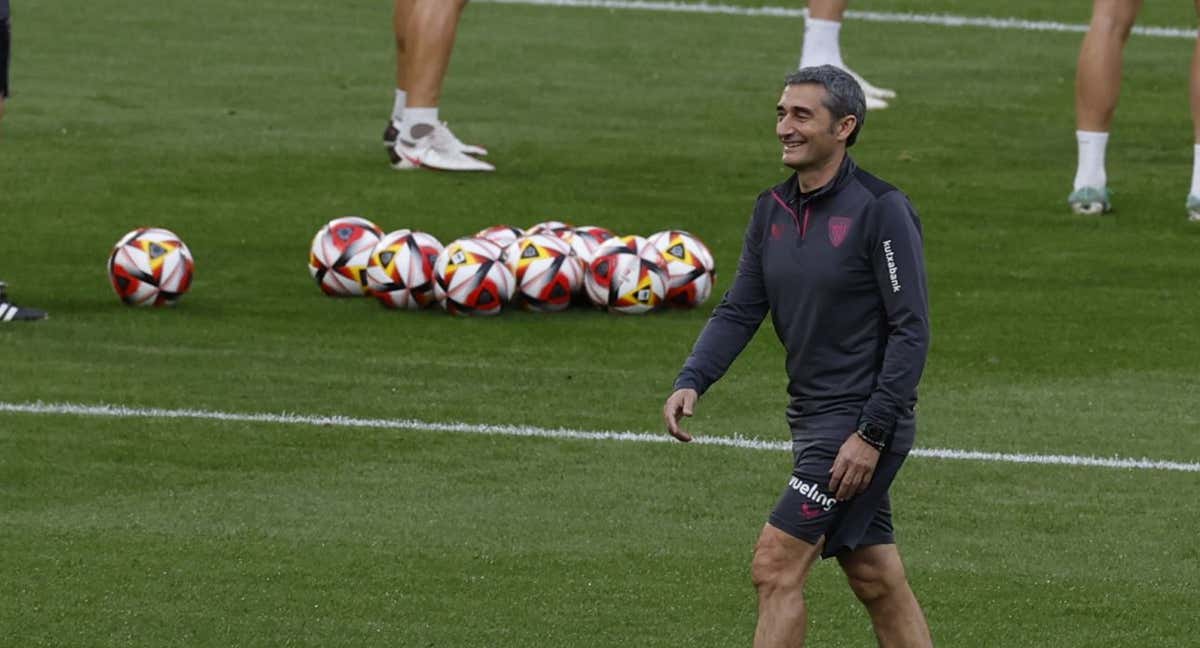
[[557, 228], [546, 272], [502, 235], [470, 279], [622, 281], [691, 271], [400, 270], [150, 266], [584, 241], [338, 256]]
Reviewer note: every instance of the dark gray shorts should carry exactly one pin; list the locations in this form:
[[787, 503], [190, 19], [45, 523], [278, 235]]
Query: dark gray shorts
[[807, 510]]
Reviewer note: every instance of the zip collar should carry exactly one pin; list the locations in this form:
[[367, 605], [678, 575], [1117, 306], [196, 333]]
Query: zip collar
[[789, 190], [787, 194]]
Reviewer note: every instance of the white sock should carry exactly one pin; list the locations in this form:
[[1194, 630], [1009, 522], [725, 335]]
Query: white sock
[[415, 117], [1090, 172], [1195, 190], [398, 105], [821, 44]]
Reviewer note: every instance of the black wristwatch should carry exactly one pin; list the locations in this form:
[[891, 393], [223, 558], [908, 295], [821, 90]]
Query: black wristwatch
[[874, 434]]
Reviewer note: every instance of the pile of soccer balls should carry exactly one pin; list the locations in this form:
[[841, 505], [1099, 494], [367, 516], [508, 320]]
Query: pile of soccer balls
[[545, 268]]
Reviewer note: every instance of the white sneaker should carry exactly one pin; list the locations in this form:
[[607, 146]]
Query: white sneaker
[[1193, 208], [393, 131], [873, 103], [469, 149], [436, 149], [871, 90]]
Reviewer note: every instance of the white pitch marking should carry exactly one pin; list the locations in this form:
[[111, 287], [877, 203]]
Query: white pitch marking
[[118, 411], [941, 20]]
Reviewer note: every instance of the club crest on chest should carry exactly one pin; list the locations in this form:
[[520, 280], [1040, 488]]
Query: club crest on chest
[[839, 227]]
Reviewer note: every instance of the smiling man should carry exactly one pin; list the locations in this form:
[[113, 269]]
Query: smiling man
[[834, 254]]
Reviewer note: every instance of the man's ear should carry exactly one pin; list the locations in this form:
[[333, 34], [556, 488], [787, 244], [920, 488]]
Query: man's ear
[[846, 126]]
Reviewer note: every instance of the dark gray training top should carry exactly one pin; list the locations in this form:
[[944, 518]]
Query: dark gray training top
[[843, 274], [3, 9]]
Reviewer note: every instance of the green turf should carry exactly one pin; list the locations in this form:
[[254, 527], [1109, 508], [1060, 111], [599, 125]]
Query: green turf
[[220, 534], [245, 126]]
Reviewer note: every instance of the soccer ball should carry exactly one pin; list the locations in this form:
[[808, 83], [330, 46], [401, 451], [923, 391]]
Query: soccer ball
[[633, 245], [546, 272], [584, 241], [339, 254], [502, 235], [557, 228], [470, 279], [621, 280], [400, 270], [150, 266], [691, 271]]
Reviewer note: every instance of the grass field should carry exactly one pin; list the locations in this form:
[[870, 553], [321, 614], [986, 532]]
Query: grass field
[[245, 126]]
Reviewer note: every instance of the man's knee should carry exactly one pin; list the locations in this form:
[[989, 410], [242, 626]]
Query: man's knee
[[770, 571], [1114, 18], [876, 577], [873, 586], [781, 562]]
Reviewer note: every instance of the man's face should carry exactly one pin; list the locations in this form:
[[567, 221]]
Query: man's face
[[807, 130]]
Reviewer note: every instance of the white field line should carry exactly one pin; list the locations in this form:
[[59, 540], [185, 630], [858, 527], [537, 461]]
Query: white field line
[[941, 20], [117, 411]]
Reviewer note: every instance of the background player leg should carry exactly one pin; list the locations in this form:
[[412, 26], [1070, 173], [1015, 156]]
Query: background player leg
[[822, 46], [428, 42], [431, 30], [400, 15], [876, 575], [1193, 200], [779, 571], [1097, 85]]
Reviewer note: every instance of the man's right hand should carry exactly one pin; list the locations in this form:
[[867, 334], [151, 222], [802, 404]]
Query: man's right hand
[[680, 403]]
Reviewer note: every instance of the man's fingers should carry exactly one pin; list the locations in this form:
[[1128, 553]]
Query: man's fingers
[[676, 431], [671, 411], [836, 474], [865, 481], [854, 481], [669, 416], [839, 491], [680, 403], [849, 487], [689, 402]]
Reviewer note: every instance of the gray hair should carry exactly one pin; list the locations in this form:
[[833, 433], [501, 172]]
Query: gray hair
[[843, 95]]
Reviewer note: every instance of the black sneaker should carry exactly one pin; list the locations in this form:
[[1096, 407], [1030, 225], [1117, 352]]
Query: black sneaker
[[12, 312]]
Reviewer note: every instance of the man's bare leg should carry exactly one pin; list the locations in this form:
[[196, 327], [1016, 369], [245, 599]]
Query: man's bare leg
[[1193, 201], [822, 46], [827, 9], [1097, 85], [425, 33], [429, 42], [876, 575], [779, 570], [402, 10], [1098, 75]]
